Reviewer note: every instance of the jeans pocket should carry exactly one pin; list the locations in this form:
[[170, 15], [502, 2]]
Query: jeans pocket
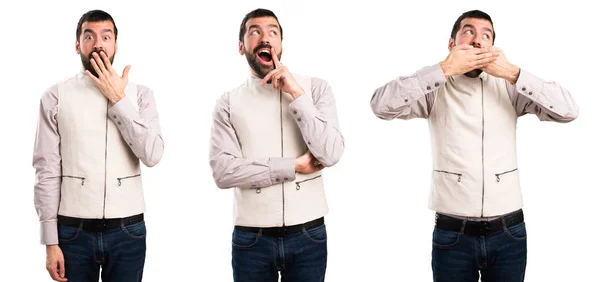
[[317, 234], [444, 239], [244, 239], [67, 233], [517, 232], [136, 230]]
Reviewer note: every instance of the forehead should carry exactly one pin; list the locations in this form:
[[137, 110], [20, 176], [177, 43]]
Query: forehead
[[97, 26], [477, 23], [263, 22]]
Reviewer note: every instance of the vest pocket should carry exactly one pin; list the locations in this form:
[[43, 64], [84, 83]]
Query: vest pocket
[[76, 177], [126, 177], [302, 181], [459, 175], [503, 173]]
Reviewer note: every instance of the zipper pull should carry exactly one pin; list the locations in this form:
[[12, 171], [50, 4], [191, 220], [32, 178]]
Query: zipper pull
[[497, 177], [257, 190], [119, 179], [459, 177], [297, 186]]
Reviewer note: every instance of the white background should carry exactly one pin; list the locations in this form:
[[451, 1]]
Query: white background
[[379, 226]]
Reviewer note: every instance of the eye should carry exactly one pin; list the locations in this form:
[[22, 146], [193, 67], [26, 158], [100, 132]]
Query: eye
[[486, 36], [254, 32], [88, 37], [106, 37], [273, 32], [468, 31]]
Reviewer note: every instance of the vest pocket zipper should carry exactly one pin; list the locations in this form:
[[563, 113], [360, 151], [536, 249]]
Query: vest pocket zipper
[[498, 174], [298, 182], [126, 177], [453, 173], [76, 177]]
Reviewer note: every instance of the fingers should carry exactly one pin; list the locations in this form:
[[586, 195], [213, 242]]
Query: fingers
[[268, 77], [96, 67], [106, 61], [126, 73], [464, 47], [275, 58], [54, 274], [91, 76], [100, 63], [61, 268], [272, 77]]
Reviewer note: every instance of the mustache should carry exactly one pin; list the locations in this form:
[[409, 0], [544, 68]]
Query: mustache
[[262, 46]]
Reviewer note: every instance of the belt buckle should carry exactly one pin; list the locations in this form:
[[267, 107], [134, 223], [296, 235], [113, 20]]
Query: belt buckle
[[100, 225], [484, 228]]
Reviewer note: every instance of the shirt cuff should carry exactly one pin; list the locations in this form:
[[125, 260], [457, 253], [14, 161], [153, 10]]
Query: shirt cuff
[[532, 87], [49, 233], [122, 111], [282, 170], [431, 78], [303, 110]]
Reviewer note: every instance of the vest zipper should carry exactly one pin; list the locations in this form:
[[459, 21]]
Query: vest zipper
[[482, 149], [498, 174], [76, 177], [298, 182], [105, 158], [281, 127], [126, 177], [447, 172]]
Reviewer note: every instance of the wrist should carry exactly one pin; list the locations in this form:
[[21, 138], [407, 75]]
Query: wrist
[[297, 93], [445, 68], [513, 74]]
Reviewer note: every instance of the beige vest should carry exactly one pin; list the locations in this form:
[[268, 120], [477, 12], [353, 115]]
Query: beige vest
[[473, 132], [265, 128], [100, 173]]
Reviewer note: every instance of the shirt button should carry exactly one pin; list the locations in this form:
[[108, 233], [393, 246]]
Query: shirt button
[[295, 112], [299, 119], [286, 179], [523, 88], [428, 87], [277, 179], [130, 144], [115, 116], [551, 107], [308, 142], [405, 100], [530, 93], [437, 84], [119, 123]]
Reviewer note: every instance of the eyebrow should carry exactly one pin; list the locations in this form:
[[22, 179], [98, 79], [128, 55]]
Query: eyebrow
[[103, 31], [471, 26], [257, 26]]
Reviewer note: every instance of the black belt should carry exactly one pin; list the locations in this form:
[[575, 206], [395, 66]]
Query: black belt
[[478, 228], [99, 225], [284, 230]]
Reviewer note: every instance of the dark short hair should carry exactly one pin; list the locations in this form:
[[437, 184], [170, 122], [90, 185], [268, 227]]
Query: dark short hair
[[258, 13], [475, 14], [95, 16]]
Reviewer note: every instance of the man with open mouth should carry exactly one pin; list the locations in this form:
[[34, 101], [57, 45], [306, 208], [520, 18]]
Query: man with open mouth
[[94, 129], [472, 100], [271, 139]]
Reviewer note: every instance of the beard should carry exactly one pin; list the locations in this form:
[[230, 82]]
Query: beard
[[87, 65], [474, 73], [260, 69]]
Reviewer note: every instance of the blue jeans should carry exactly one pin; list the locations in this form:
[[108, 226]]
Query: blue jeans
[[120, 252], [300, 257], [500, 256]]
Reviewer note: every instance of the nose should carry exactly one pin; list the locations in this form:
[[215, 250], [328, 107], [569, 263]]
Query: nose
[[476, 42], [264, 39], [98, 46]]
